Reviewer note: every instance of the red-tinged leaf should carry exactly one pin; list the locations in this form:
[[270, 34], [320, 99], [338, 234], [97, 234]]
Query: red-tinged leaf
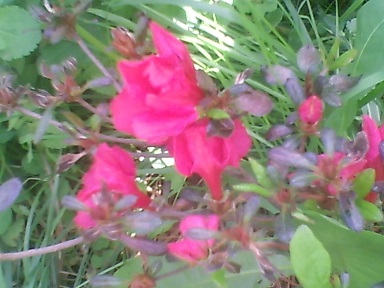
[[278, 131], [277, 74], [308, 59], [286, 157], [255, 103]]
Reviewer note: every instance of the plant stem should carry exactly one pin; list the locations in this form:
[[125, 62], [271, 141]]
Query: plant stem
[[41, 251], [96, 61], [37, 116], [89, 107]]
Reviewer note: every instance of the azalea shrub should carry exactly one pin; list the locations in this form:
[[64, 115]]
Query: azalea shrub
[[170, 175]]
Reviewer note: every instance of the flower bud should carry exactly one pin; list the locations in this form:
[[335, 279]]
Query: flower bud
[[311, 110]]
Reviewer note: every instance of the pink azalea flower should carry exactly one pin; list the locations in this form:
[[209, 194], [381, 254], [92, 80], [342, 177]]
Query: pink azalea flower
[[194, 250], [375, 135], [114, 172], [195, 152], [337, 171], [311, 110], [160, 94]]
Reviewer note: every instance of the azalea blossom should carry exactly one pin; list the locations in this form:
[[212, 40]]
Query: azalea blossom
[[194, 250], [110, 177], [160, 92], [375, 136], [195, 152], [336, 171]]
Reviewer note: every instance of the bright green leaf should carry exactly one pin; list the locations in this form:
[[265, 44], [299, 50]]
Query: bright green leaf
[[251, 187], [363, 182], [310, 261], [219, 278], [19, 32], [260, 173], [370, 211], [361, 254], [217, 114]]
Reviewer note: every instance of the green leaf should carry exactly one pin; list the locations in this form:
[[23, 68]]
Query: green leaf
[[369, 37], [361, 254], [340, 119], [19, 33], [260, 173], [219, 278], [344, 60], [13, 233], [130, 269], [310, 261], [251, 187], [370, 211], [6, 220], [363, 182], [217, 114], [249, 276]]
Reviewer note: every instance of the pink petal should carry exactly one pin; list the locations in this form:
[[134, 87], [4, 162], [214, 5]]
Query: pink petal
[[208, 222], [373, 134], [195, 152], [166, 45], [188, 250]]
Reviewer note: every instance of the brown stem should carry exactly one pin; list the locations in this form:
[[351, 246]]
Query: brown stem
[[108, 138], [37, 116], [89, 107], [96, 61], [41, 251]]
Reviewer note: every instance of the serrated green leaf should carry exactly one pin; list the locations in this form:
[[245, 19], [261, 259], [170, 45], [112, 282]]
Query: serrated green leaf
[[363, 182], [251, 187], [369, 211], [19, 33], [310, 261]]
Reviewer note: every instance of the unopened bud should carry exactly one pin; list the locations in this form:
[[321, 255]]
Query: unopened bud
[[311, 110], [124, 42]]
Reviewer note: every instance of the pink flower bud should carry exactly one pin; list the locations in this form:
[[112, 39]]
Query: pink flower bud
[[311, 110]]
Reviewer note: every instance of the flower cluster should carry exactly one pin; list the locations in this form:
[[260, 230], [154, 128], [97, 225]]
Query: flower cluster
[[160, 105], [165, 102], [110, 178]]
